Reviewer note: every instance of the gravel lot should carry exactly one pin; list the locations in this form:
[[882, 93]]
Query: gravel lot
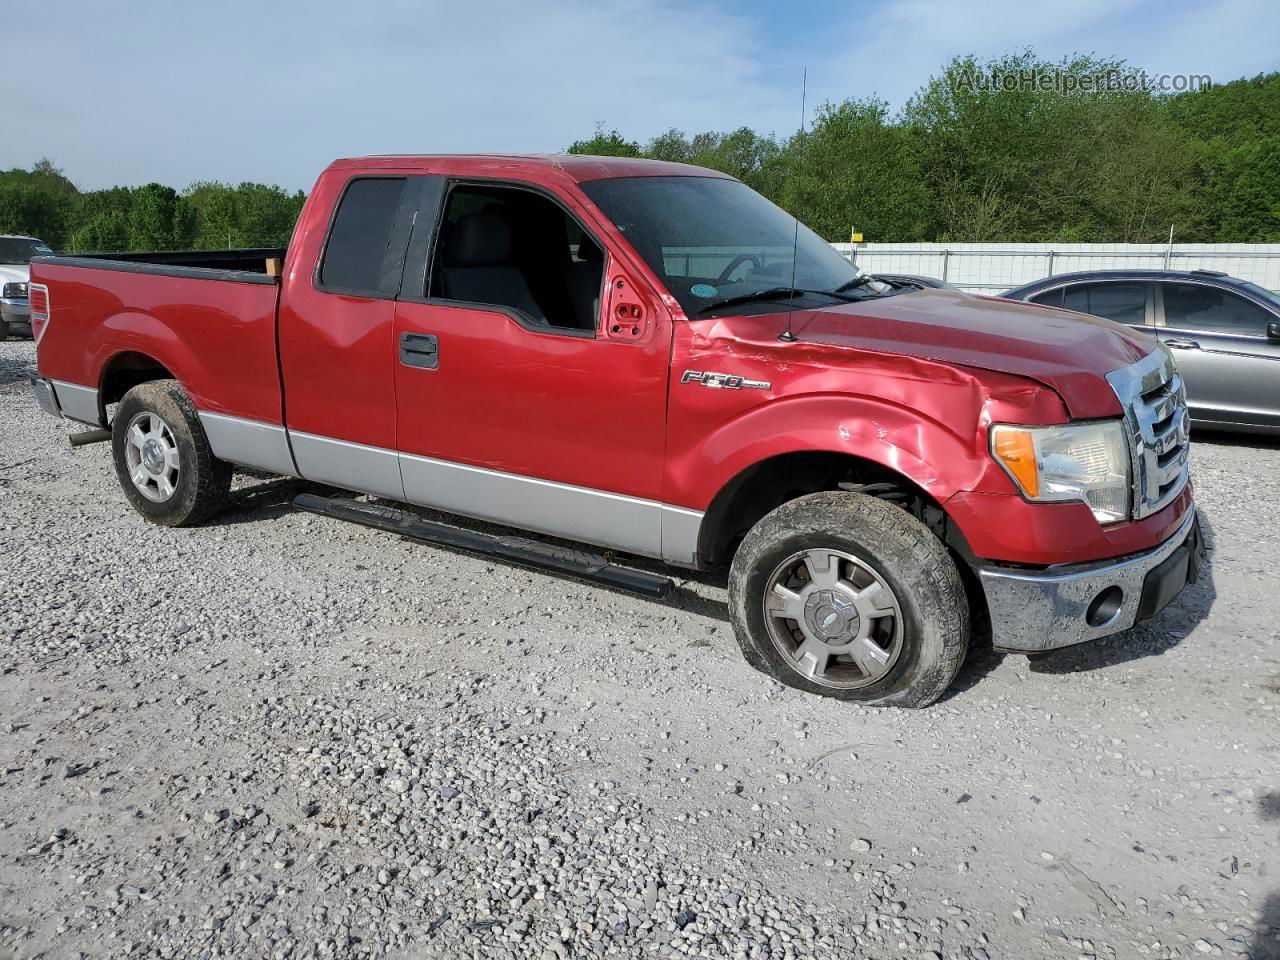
[[277, 735]]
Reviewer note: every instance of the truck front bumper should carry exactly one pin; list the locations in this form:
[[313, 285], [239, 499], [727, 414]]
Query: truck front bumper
[[16, 311], [1034, 611]]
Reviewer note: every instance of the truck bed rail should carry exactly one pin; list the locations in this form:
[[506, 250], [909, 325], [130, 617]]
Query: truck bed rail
[[235, 266]]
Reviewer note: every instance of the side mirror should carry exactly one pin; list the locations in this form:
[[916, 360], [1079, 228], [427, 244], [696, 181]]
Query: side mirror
[[1273, 331]]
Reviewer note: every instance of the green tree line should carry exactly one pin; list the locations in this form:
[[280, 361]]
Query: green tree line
[[43, 203], [965, 159], [971, 161]]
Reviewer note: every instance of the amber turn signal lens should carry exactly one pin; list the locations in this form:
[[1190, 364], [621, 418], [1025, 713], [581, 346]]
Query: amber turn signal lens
[[1016, 449]]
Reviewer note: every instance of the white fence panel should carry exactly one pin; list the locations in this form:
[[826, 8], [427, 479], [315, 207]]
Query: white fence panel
[[995, 267]]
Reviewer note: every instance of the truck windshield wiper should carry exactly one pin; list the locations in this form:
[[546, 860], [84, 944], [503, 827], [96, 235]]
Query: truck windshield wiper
[[855, 283], [771, 293]]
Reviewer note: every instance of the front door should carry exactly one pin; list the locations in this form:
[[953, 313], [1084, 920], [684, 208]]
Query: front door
[[531, 376], [1219, 340]]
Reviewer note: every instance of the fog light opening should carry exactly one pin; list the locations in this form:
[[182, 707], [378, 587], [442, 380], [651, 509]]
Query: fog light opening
[[1105, 607]]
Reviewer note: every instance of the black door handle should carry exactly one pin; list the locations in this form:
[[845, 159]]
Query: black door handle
[[419, 350], [1182, 343]]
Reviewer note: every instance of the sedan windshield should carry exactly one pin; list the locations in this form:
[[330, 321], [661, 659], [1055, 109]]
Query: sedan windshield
[[21, 249], [713, 240]]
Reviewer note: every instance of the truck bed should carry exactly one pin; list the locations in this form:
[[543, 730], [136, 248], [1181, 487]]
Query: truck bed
[[207, 318]]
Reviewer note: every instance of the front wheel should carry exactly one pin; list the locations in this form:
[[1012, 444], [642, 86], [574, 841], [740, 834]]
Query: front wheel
[[163, 459], [851, 597]]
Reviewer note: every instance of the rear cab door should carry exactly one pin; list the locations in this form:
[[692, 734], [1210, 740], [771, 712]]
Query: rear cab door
[[335, 328]]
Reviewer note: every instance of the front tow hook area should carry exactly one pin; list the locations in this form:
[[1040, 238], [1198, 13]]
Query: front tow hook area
[[1037, 610]]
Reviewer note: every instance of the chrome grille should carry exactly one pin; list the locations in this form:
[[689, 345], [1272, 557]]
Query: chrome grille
[[1155, 405]]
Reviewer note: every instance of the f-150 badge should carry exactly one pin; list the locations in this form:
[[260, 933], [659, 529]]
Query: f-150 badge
[[723, 381]]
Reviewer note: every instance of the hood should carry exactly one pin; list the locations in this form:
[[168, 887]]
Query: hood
[[14, 273], [1069, 352]]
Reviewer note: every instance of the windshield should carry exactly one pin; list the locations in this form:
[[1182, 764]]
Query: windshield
[[21, 249], [712, 239]]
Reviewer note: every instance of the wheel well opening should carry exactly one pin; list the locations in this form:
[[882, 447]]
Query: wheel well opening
[[125, 371], [769, 484]]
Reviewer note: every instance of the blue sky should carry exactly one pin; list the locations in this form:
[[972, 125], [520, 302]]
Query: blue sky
[[237, 90]]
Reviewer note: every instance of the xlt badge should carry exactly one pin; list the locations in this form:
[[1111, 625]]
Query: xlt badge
[[723, 381]]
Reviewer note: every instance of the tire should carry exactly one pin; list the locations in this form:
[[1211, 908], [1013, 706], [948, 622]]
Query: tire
[[183, 483], [828, 558], [4, 330]]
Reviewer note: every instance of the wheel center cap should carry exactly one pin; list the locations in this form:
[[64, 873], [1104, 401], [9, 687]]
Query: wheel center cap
[[831, 616], [153, 456]]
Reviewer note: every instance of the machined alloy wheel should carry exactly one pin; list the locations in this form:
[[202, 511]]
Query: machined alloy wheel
[[152, 457], [162, 456], [833, 618], [848, 596]]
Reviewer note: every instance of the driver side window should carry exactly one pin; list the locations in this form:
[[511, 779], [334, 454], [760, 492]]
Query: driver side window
[[520, 251]]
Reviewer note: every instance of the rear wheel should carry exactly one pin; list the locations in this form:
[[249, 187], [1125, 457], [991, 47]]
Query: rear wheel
[[847, 596], [4, 330], [163, 458]]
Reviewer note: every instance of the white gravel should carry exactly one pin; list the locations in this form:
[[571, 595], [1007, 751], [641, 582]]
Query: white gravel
[[280, 736]]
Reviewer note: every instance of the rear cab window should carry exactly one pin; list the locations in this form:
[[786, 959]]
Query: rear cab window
[[357, 255]]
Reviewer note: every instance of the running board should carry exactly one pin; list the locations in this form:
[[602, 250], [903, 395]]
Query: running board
[[529, 553]]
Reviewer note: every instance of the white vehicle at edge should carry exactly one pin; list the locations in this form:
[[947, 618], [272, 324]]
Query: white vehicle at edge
[[15, 270]]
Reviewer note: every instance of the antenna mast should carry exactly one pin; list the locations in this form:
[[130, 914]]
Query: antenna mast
[[787, 335]]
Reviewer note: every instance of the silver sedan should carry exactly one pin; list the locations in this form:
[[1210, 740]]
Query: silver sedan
[[1224, 333]]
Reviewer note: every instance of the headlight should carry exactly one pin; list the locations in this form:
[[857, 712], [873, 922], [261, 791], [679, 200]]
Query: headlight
[[14, 290], [1080, 461]]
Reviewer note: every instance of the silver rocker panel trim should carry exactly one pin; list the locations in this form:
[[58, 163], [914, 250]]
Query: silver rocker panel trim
[[78, 402], [249, 443], [611, 520], [351, 466]]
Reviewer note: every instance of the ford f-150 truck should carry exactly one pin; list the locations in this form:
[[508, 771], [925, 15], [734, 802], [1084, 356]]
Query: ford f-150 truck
[[652, 359]]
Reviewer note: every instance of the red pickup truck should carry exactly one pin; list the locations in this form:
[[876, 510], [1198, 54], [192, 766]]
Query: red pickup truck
[[652, 359]]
